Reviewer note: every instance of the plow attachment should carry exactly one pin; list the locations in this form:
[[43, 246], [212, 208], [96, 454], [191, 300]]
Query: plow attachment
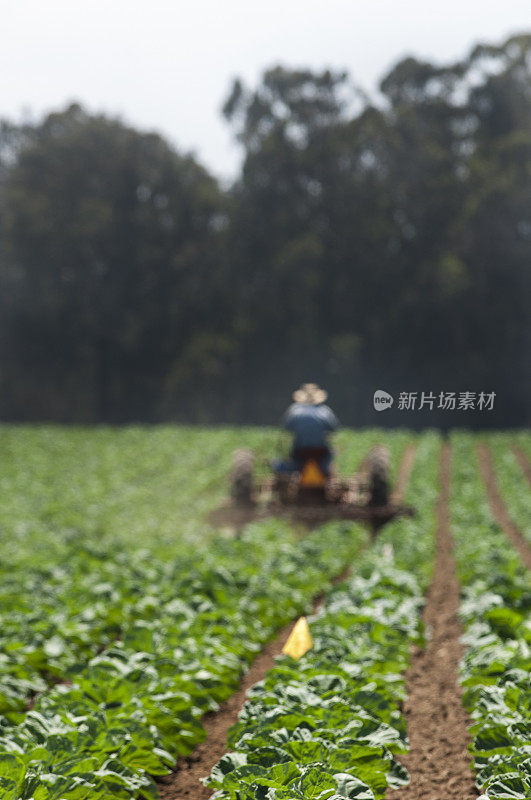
[[305, 498]]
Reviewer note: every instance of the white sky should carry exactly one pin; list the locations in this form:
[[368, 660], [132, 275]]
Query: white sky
[[168, 64]]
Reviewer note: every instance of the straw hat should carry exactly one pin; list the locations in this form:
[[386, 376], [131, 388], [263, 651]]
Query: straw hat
[[310, 394]]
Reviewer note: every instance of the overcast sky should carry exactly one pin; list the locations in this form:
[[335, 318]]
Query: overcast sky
[[167, 64]]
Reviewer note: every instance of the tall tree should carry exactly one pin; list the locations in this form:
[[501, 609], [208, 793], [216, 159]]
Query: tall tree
[[364, 244], [113, 235]]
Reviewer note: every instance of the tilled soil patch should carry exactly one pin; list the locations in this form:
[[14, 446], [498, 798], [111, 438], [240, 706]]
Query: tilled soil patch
[[498, 507], [438, 761], [523, 461]]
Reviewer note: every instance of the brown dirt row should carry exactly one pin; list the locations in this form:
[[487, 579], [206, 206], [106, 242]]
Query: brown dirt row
[[523, 460], [438, 761], [184, 782], [498, 507], [404, 471]]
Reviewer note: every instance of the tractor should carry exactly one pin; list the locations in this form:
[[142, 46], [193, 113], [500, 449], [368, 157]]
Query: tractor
[[310, 496]]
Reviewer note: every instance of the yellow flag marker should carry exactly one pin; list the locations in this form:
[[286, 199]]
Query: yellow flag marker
[[299, 640]]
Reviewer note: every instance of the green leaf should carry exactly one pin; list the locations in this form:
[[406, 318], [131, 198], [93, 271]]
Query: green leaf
[[315, 782], [54, 647], [398, 775], [226, 764], [493, 738], [10, 789], [348, 786], [510, 786], [268, 756], [505, 621], [12, 767]]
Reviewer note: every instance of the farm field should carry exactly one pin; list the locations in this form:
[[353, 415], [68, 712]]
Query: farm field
[[128, 620]]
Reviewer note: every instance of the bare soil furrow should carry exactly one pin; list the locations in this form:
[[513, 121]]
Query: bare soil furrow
[[438, 761], [498, 507], [404, 471]]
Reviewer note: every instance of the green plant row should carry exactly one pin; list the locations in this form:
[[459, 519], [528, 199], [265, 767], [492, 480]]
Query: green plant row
[[141, 487], [101, 565], [55, 619], [90, 520], [512, 483], [139, 704], [523, 440], [329, 725], [495, 610], [72, 579]]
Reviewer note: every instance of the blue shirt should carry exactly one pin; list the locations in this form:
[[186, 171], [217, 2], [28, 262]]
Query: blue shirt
[[310, 424]]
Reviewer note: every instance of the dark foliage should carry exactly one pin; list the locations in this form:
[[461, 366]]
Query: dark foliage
[[364, 246]]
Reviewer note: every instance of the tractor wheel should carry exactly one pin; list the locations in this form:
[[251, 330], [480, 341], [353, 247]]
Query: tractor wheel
[[378, 476], [241, 479], [282, 488]]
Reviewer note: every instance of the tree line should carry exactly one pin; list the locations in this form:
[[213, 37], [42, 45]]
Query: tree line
[[366, 244]]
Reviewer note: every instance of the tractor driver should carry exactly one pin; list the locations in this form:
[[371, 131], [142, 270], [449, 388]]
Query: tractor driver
[[310, 421]]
